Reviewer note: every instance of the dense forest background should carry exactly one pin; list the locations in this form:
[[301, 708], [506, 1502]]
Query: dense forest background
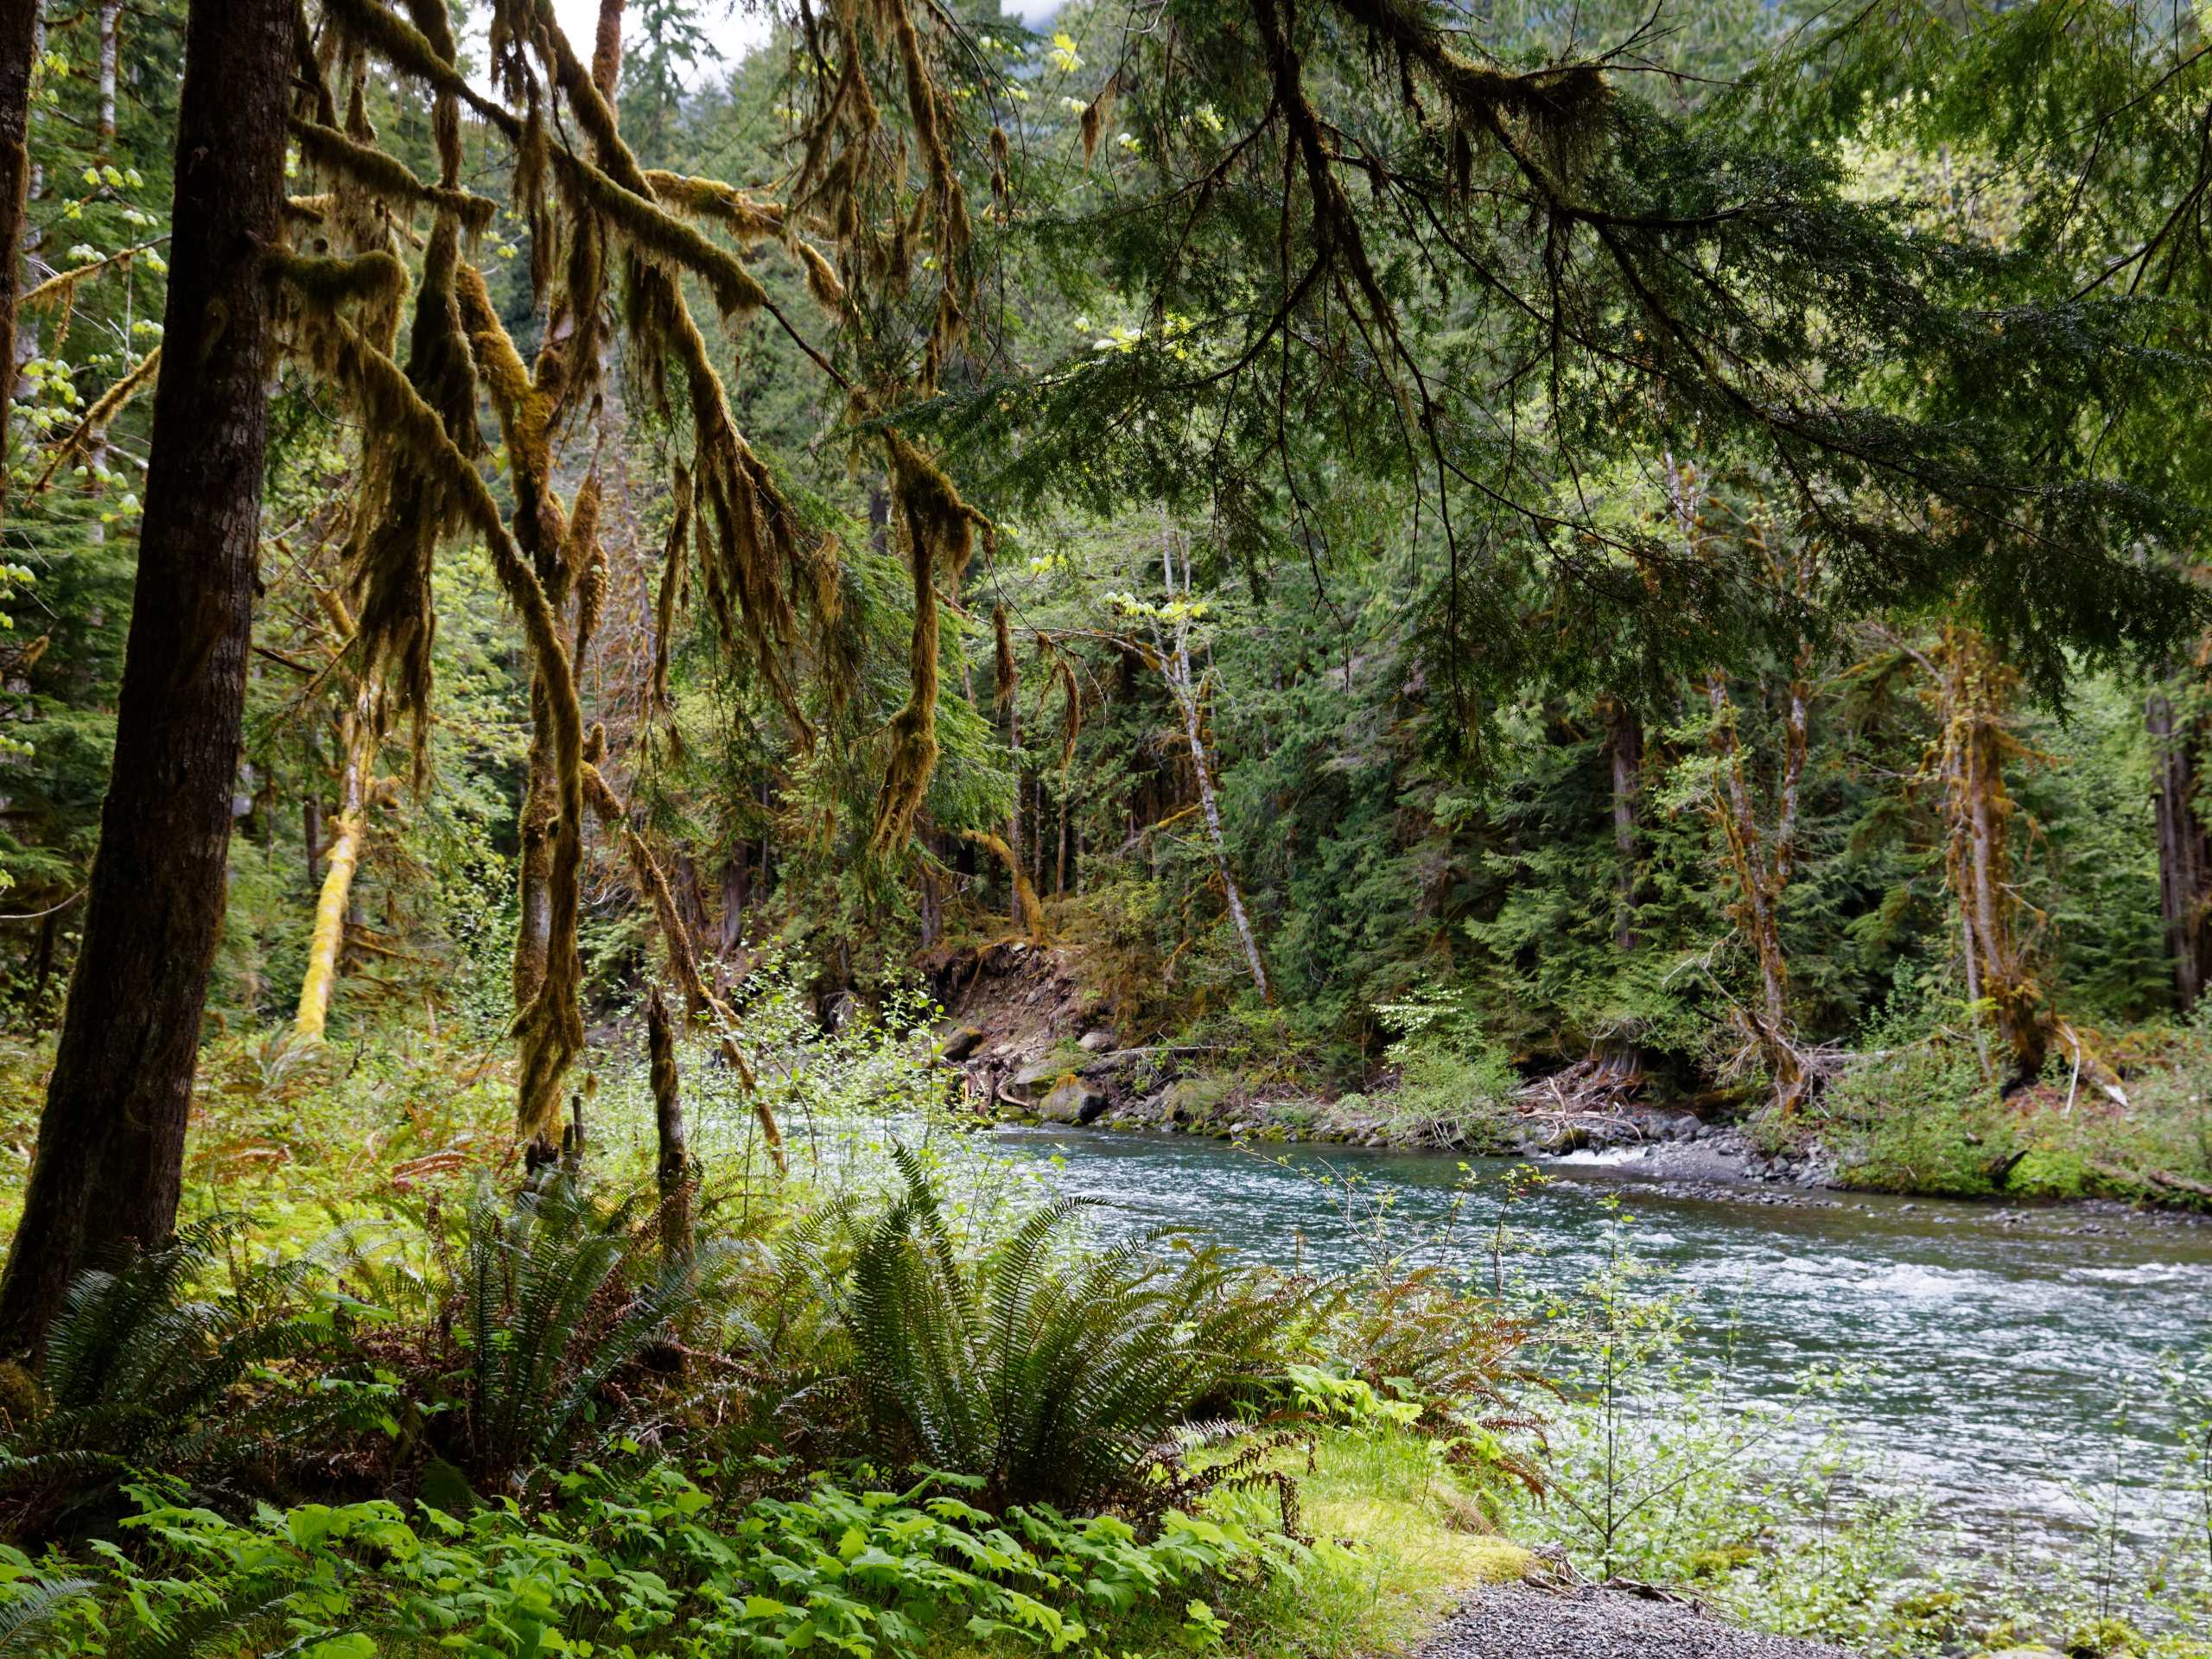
[[1651, 767]]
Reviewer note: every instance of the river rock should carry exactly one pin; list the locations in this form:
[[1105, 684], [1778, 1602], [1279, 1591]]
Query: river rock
[[1073, 1102], [963, 1043], [1034, 1079], [1095, 1042]]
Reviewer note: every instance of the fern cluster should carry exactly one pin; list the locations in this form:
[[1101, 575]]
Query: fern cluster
[[1054, 1372]]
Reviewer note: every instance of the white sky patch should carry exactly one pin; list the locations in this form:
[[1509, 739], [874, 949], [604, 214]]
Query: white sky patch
[[736, 33]]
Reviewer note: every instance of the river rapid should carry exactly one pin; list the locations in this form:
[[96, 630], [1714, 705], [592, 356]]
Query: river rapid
[[2011, 1353]]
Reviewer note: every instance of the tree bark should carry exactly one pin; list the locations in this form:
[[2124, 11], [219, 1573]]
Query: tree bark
[[672, 1167], [540, 824], [1761, 865], [18, 36], [110, 28], [1175, 664], [1974, 689], [1624, 749], [108, 1168], [2185, 847]]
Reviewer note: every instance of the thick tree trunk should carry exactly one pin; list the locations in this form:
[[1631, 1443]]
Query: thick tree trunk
[[541, 820], [110, 1162], [2185, 847], [18, 33]]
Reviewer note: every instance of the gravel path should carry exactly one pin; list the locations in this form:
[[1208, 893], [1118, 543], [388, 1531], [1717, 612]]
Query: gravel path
[[1517, 1621]]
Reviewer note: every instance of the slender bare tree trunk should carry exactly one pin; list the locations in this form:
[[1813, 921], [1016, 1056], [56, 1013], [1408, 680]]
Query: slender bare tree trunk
[[111, 24], [1176, 666], [19, 29], [108, 1168]]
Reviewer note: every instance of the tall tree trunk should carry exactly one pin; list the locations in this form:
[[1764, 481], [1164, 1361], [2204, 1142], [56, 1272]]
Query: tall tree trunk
[[672, 1167], [1762, 864], [19, 28], [110, 1153], [1975, 689], [1624, 749], [110, 26], [541, 820], [1175, 664], [2184, 846]]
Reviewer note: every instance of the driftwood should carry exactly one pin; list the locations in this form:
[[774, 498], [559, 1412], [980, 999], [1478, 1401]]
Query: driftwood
[[2158, 1179]]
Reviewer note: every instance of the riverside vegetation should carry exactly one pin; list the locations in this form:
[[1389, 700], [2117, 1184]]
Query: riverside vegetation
[[595, 590], [901, 1401]]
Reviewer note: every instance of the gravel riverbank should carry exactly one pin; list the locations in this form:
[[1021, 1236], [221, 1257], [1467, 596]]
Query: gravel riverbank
[[1519, 1621]]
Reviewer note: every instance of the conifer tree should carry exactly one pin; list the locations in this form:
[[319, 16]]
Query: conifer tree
[[109, 1165]]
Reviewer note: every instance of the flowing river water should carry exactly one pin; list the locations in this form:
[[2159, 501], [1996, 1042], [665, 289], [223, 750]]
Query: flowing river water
[[2002, 1345]]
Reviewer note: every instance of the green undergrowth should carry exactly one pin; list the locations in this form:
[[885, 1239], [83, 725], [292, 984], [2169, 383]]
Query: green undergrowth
[[1925, 1120], [907, 1402]]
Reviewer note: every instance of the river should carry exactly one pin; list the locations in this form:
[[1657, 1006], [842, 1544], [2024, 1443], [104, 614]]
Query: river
[[2002, 1344]]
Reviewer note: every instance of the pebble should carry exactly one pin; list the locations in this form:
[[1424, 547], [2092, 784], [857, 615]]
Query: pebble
[[1521, 1621]]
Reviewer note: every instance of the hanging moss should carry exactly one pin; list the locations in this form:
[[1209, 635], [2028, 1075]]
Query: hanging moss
[[586, 561], [1025, 894], [661, 236], [743, 216], [700, 1001], [332, 154], [671, 583], [1096, 114], [938, 528], [551, 1028], [822, 279]]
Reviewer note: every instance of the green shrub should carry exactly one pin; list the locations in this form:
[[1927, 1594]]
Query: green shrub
[[1455, 1081], [1920, 1119]]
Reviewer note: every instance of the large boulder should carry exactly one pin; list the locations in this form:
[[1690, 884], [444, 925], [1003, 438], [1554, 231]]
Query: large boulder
[[1073, 1101], [1035, 1078]]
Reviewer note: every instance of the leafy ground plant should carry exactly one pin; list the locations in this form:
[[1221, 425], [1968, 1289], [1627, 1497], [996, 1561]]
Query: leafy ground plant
[[644, 1563]]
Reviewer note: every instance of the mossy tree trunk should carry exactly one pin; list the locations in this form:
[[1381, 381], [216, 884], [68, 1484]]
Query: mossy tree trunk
[[1762, 861], [109, 1166], [1973, 689]]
